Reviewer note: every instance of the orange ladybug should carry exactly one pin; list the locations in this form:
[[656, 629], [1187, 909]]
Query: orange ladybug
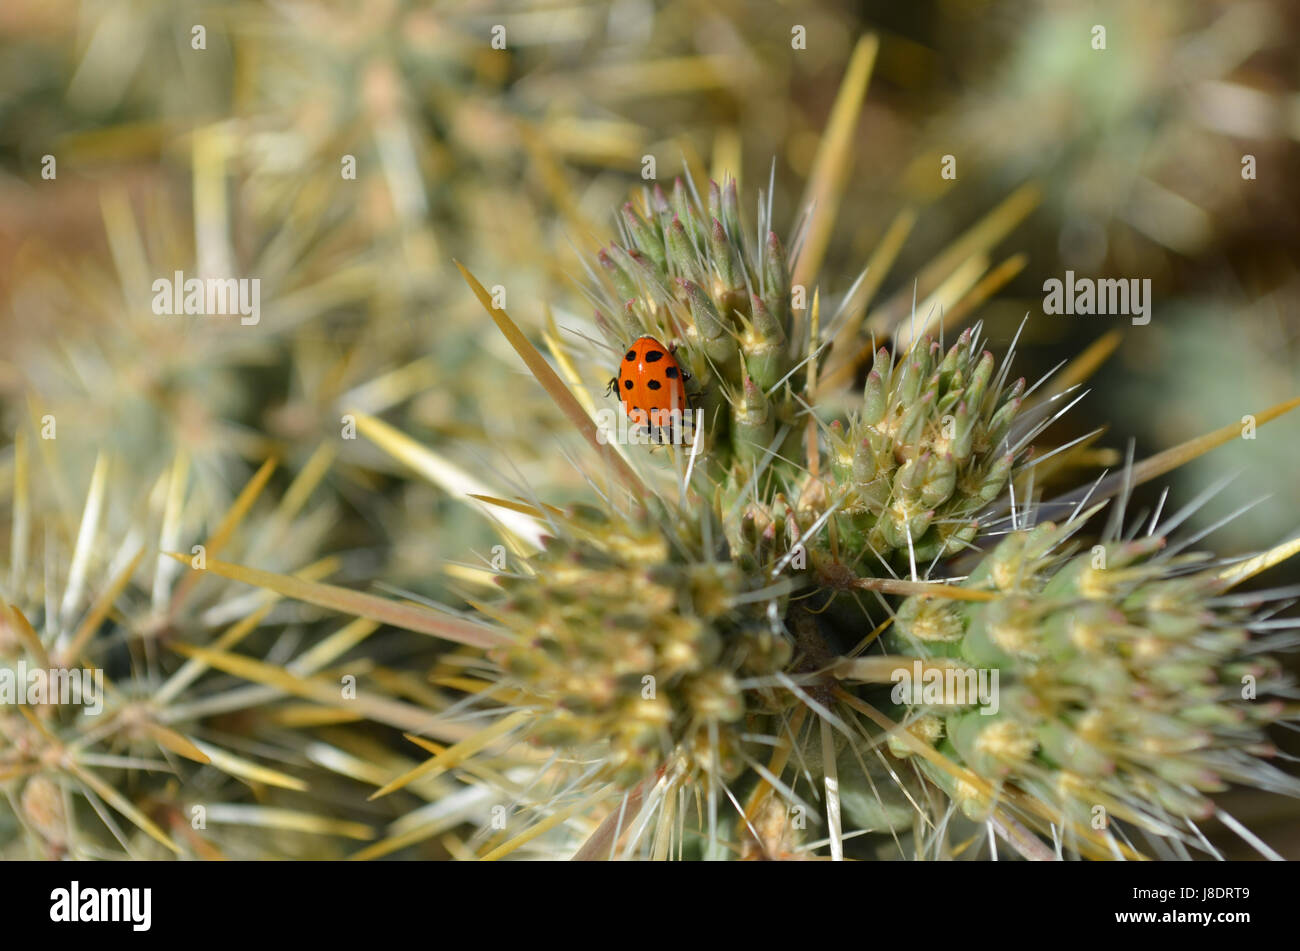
[[651, 384]]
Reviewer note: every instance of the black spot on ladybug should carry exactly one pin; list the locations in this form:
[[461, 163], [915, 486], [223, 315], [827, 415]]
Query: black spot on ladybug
[[631, 355], [654, 384], [671, 373], [654, 356], [627, 384]]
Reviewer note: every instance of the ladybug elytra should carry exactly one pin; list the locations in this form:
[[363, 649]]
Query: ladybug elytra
[[651, 385]]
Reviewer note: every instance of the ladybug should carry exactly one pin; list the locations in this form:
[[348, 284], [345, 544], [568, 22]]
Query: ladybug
[[651, 384]]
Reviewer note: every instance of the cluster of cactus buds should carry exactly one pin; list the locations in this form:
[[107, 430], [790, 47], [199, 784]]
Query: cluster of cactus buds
[[1120, 669], [629, 639], [925, 452], [1125, 678], [686, 272]]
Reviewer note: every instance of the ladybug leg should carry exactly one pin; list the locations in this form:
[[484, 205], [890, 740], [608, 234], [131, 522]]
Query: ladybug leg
[[672, 351], [613, 384]]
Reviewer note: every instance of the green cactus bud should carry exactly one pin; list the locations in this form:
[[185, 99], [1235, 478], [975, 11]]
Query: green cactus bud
[[776, 280], [864, 467], [1001, 422], [752, 423], [954, 359], [929, 620], [730, 277], [913, 424], [875, 398], [940, 481], [680, 202], [647, 237], [623, 283], [978, 387], [708, 328], [715, 201], [912, 380], [763, 344], [681, 253], [996, 480], [963, 433], [911, 476]]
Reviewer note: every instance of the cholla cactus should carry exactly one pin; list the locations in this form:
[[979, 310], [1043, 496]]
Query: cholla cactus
[[1129, 685], [928, 447], [116, 742], [701, 658], [636, 639], [688, 642], [927, 451], [684, 272]]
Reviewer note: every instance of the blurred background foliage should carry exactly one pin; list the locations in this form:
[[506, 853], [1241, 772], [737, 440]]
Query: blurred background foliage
[[228, 160]]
